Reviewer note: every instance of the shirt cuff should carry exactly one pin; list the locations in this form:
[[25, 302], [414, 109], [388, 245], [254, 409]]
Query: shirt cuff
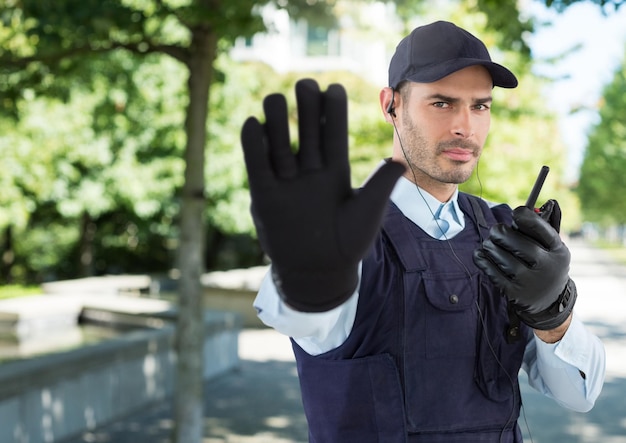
[[574, 364], [571, 350], [315, 332]]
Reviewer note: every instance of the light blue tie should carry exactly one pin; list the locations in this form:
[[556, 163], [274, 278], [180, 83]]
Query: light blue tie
[[438, 227]]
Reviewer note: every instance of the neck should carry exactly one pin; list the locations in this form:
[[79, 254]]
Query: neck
[[441, 191]]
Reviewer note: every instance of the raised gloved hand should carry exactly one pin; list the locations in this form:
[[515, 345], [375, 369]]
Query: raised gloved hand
[[530, 264], [310, 222]]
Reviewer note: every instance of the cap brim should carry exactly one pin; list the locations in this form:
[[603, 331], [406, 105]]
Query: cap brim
[[500, 75]]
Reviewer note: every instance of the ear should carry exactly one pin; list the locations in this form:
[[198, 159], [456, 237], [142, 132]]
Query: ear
[[387, 103]]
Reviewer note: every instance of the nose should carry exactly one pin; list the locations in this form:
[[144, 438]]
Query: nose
[[463, 126]]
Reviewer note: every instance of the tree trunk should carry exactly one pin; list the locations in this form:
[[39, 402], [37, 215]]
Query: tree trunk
[[87, 236], [188, 397], [8, 256]]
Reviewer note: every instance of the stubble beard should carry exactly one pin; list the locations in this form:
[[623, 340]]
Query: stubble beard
[[422, 157]]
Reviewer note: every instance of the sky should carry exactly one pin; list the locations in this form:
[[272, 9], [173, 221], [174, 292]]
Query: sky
[[583, 74]]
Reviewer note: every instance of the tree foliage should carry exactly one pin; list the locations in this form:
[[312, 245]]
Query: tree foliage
[[561, 5], [106, 53], [604, 162], [91, 156]]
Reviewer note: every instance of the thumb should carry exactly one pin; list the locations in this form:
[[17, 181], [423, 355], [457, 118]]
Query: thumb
[[377, 189], [362, 214]]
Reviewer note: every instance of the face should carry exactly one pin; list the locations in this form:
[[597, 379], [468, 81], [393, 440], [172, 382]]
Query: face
[[442, 127]]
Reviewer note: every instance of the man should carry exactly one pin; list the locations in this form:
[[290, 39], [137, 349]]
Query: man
[[412, 306]]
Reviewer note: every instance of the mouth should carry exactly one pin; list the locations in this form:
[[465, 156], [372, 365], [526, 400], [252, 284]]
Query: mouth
[[459, 154]]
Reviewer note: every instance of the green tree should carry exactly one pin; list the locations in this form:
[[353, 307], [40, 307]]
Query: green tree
[[48, 48], [604, 161], [87, 160]]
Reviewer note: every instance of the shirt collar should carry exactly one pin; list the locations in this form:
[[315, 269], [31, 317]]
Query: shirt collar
[[419, 206]]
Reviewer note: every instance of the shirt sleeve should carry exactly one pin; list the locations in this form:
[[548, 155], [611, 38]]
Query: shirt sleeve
[[570, 371], [315, 332]]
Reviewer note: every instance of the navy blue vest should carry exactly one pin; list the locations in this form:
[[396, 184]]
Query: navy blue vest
[[428, 358]]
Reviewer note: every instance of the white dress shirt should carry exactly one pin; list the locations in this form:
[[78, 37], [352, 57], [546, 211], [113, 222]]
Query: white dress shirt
[[553, 369]]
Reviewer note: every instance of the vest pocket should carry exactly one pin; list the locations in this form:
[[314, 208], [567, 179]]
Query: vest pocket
[[450, 316], [356, 400]]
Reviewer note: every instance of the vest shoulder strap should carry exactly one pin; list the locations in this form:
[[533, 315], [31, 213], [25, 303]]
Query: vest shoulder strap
[[397, 231]]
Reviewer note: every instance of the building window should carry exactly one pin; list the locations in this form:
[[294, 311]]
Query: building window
[[317, 41]]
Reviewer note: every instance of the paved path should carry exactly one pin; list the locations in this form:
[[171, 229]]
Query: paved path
[[260, 403]]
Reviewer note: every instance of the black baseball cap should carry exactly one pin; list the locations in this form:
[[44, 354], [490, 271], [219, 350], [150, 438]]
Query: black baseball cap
[[434, 51]]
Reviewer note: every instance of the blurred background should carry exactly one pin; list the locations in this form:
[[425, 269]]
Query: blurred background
[[95, 95], [120, 122]]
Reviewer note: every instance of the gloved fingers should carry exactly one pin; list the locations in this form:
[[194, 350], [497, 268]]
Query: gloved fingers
[[362, 215], [496, 274], [529, 223], [518, 245], [256, 152], [509, 260], [277, 130], [335, 128], [551, 212], [309, 100]]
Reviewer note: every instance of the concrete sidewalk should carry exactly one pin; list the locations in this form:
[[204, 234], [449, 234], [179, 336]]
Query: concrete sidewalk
[[260, 402]]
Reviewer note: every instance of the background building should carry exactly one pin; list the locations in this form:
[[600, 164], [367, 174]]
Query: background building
[[358, 41]]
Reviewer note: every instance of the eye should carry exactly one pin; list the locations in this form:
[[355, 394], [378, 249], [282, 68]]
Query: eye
[[441, 104], [481, 107]]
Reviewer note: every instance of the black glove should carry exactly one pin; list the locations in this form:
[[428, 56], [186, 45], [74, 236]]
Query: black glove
[[310, 222], [530, 264]]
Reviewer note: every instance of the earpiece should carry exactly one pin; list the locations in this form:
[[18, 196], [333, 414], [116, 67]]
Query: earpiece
[[390, 109]]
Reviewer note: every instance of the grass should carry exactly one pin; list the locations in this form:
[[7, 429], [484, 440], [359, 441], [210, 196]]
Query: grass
[[12, 291]]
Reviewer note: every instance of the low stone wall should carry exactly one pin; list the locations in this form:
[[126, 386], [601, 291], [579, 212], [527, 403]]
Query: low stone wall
[[107, 284], [235, 301], [235, 291], [52, 397]]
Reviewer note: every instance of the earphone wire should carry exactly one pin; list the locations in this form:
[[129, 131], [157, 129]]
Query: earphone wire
[[469, 275], [443, 233]]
